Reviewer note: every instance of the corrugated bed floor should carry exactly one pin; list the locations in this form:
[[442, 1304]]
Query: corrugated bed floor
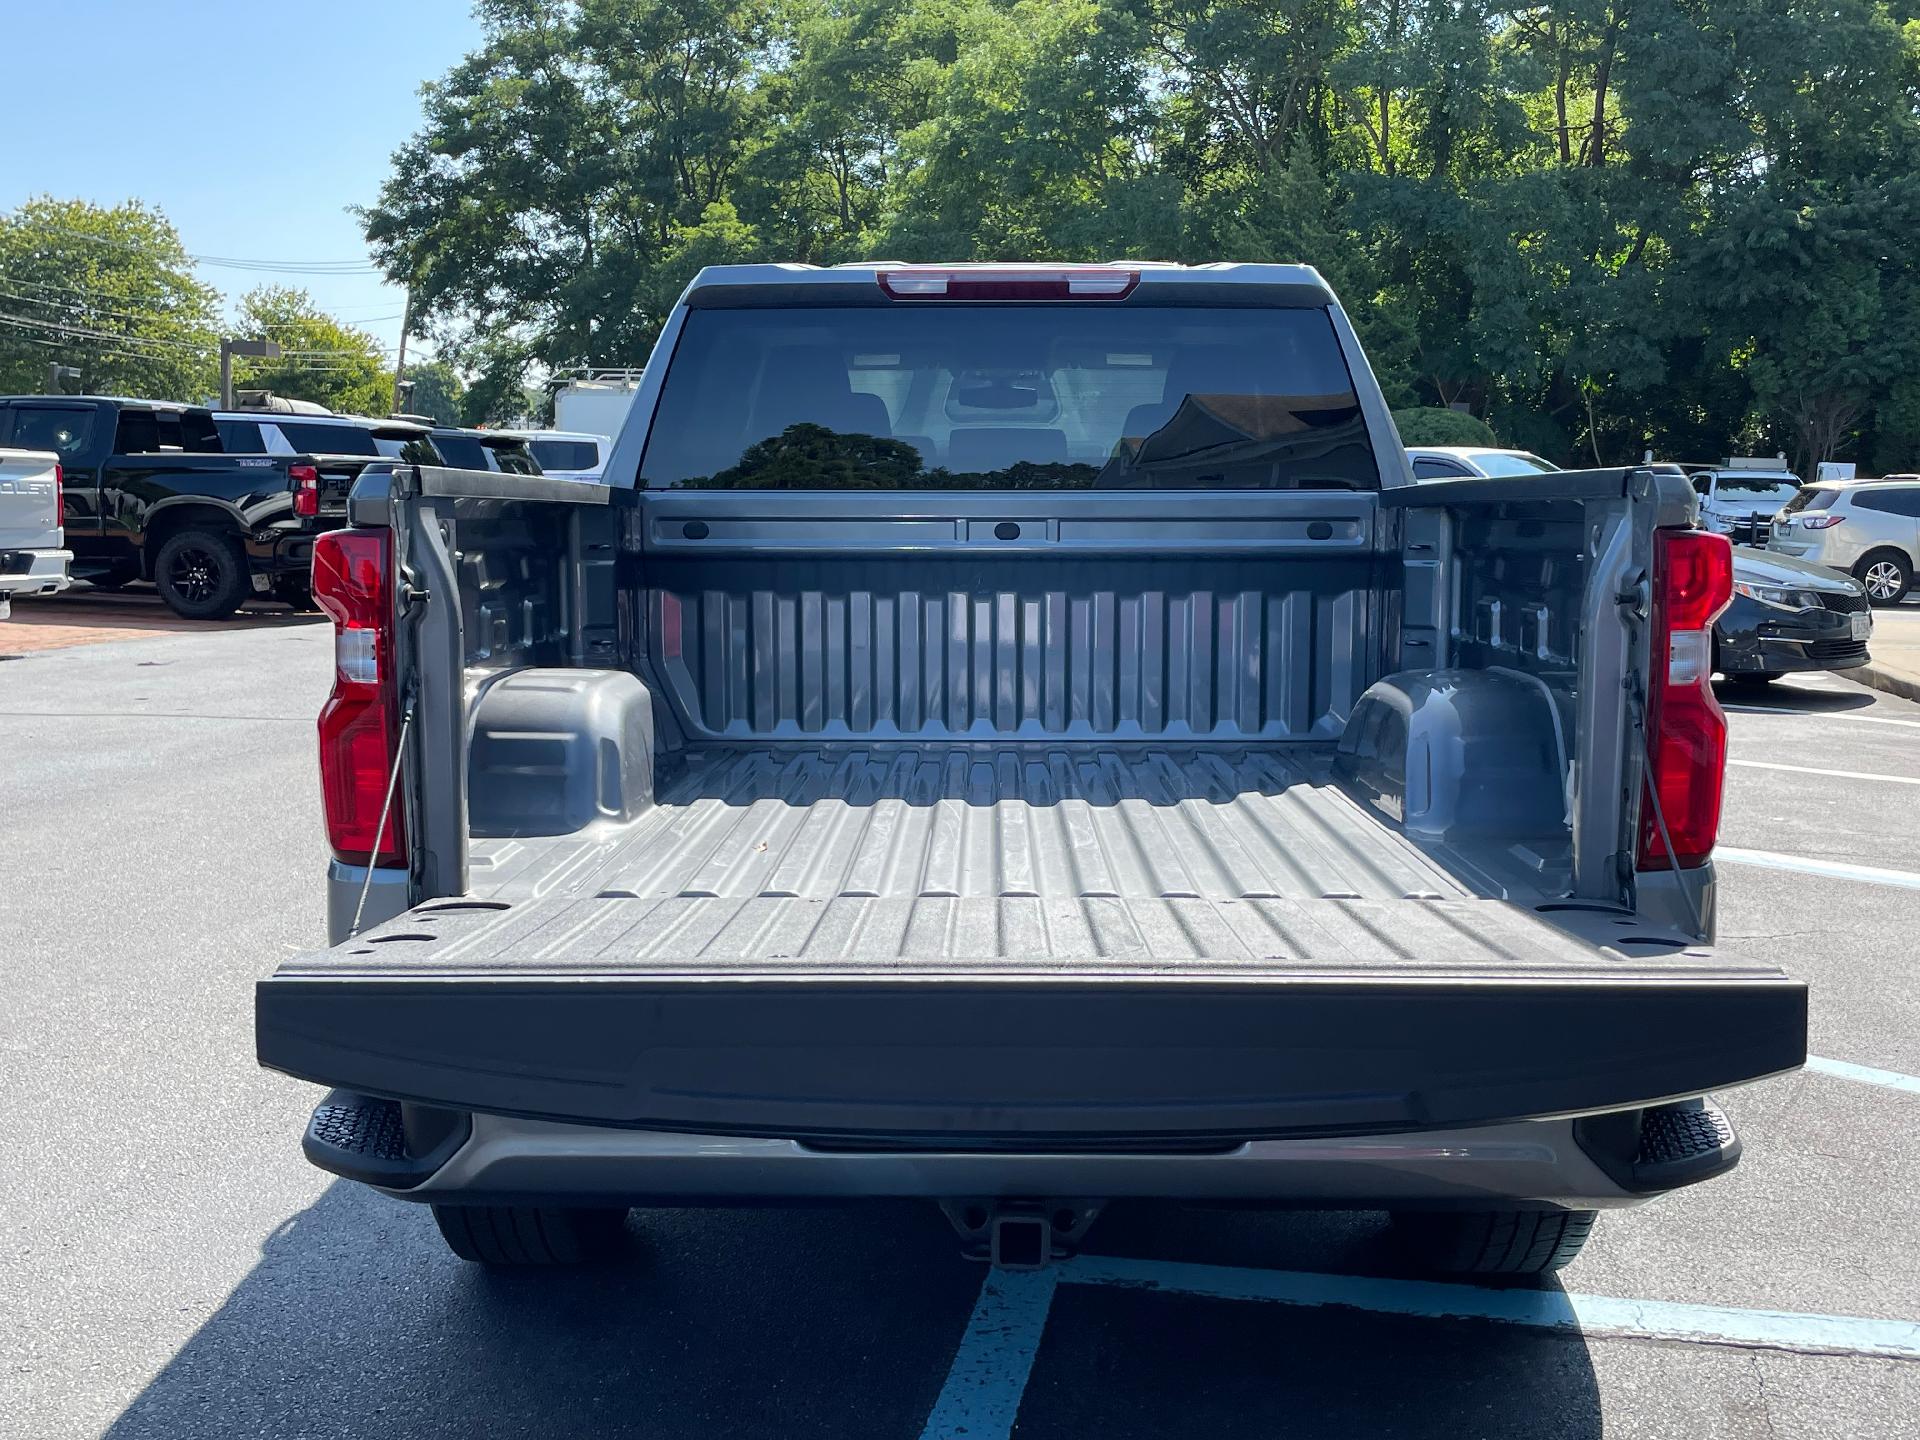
[[1054, 858]]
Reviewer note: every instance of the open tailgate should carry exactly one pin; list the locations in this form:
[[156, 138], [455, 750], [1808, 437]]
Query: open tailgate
[[526, 1009]]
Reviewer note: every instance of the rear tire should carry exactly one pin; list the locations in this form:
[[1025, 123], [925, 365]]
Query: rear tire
[[202, 574], [529, 1234], [1493, 1242], [1887, 574]]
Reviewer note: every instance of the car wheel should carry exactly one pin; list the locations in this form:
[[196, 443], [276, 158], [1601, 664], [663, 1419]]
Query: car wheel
[[202, 574], [1492, 1242], [1886, 575], [529, 1234]]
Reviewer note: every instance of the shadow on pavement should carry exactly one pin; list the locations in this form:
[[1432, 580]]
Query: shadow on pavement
[[1793, 697], [836, 1321]]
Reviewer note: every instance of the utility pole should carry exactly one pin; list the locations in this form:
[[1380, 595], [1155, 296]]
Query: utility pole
[[400, 360], [253, 349]]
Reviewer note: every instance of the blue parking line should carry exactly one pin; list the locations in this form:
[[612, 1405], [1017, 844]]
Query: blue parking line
[[1544, 1309], [1865, 1074], [990, 1369]]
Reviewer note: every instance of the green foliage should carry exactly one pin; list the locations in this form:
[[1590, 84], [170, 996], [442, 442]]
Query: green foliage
[[1603, 225], [109, 291], [1428, 425], [438, 389], [321, 360]]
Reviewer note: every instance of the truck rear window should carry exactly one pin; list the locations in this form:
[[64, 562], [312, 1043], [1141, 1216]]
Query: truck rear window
[[565, 454], [314, 439], [1008, 397], [1811, 497]]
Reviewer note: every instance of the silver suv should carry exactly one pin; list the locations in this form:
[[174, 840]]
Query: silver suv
[[1869, 528]]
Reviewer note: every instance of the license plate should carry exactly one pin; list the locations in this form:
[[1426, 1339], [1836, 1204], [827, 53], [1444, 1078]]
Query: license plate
[[1862, 625]]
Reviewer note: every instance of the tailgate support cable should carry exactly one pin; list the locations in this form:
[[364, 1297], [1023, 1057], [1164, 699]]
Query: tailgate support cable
[[386, 813], [1652, 793]]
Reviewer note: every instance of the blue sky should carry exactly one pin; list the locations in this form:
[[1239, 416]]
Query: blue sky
[[253, 126]]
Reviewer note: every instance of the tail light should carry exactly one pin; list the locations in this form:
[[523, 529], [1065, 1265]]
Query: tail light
[[306, 489], [59, 495], [359, 724], [1820, 522], [1686, 731], [1008, 282]]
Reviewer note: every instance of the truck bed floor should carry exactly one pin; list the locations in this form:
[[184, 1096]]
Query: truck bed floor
[[955, 857]]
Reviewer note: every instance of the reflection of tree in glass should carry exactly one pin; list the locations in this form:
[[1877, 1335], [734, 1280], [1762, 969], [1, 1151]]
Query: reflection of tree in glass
[[812, 457]]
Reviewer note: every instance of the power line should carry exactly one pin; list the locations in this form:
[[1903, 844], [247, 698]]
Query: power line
[[81, 332], [289, 267]]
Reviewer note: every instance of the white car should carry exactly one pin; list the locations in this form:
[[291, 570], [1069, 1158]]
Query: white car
[[1444, 462], [568, 454]]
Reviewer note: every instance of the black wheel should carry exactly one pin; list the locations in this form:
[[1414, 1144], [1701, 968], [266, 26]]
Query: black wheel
[[529, 1234], [1887, 574], [1493, 1242], [202, 574]]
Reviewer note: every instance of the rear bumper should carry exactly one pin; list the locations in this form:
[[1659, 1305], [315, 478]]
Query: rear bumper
[[501, 1160], [1029, 1063], [34, 572]]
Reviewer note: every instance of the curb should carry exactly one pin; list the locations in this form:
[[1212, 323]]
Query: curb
[[1893, 682]]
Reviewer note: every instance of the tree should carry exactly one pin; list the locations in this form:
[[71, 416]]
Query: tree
[[1600, 225], [320, 359], [109, 291], [1429, 426], [438, 389]]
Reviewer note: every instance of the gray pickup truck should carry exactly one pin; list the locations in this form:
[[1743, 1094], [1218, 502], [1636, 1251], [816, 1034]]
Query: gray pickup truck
[[1018, 736]]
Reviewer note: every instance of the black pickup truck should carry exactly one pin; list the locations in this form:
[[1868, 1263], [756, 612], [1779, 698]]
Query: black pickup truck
[[150, 495]]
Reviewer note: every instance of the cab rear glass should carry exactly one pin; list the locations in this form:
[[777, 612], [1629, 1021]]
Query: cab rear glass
[[1008, 397]]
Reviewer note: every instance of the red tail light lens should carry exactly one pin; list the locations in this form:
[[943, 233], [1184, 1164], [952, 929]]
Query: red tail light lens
[[306, 489], [59, 495], [359, 725], [1686, 731], [1008, 282]]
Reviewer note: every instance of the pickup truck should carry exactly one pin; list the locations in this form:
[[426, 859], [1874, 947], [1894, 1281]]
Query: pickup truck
[[1020, 737], [150, 495], [32, 558]]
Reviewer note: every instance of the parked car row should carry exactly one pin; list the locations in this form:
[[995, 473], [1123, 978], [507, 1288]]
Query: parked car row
[[1795, 607], [215, 507]]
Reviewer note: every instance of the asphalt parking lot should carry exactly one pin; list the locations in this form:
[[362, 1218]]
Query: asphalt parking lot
[[172, 1267]]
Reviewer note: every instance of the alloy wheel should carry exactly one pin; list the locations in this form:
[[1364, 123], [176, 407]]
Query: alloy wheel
[[1882, 580], [196, 572]]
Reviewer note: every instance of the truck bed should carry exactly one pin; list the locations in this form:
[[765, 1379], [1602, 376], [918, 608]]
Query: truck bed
[[1055, 858], [1006, 945]]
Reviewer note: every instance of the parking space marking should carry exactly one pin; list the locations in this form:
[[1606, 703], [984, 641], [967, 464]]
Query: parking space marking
[[1865, 1074], [1819, 715], [1603, 1315], [1805, 864], [989, 1373], [1836, 774]]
